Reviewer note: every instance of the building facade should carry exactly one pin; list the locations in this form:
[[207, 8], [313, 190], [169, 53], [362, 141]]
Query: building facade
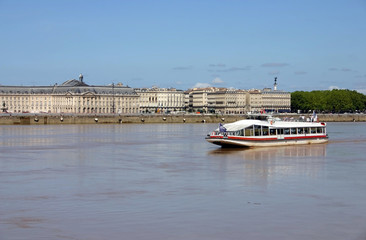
[[254, 100], [276, 101], [236, 101], [227, 101], [160, 100], [73, 96], [198, 99]]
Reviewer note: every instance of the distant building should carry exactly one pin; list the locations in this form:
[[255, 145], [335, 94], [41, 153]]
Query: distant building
[[227, 101], [198, 99], [254, 101], [217, 100], [160, 100], [276, 100], [73, 96], [236, 101]]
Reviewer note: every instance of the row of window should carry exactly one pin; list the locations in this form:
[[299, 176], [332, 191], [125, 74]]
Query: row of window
[[84, 110], [59, 98]]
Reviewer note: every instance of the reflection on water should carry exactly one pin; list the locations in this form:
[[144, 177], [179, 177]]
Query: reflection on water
[[265, 153], [264, 165]]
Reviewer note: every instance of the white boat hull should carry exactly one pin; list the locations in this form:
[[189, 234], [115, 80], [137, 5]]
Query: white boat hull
[[265, 143]]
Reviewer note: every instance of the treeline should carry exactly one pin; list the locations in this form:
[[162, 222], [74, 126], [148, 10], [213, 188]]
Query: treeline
[[334, 101]]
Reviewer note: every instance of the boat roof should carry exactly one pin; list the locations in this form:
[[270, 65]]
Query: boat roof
[[238, 125]]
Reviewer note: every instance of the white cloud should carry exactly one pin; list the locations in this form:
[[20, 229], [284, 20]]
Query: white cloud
[[363, 91], [300, 73], [217, 80], [201, 85], [182, 68], [341, 69], [273, 64], [217, 65], [274, 73], [361, 76], [234, 69]]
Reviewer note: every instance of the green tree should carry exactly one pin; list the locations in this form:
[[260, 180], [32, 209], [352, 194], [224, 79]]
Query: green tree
[[328, 101]]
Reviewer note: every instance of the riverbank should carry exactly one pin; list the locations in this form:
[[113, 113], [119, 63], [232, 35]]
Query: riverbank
[[42, 119]]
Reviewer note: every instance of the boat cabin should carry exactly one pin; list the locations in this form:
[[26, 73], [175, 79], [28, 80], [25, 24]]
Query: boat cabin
[[256, 128]]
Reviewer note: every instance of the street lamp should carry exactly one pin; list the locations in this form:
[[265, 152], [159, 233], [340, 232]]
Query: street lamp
[[113, 98]]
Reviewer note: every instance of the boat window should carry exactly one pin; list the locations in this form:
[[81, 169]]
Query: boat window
[[280, 131], [313, 130], [306, 130], [300, 131], [286, 131], [272, 131], [248, 131], [239, 133], [319, 130], [265, 131], [257, 130], [293, 131]]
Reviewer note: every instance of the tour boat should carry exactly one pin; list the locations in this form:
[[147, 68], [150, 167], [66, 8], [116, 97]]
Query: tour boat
[[270, 131]]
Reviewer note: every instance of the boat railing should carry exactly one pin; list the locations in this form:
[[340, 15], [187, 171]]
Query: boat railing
[[292, 119]]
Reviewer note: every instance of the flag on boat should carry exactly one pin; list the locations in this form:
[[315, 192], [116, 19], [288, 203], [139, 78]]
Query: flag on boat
[[222, 128]]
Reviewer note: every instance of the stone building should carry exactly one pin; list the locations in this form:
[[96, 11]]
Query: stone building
[[216, 100], [73, 96], [198, 99], [274, 100], [236, 101], [160, 100], [254, 101], [227, 101]]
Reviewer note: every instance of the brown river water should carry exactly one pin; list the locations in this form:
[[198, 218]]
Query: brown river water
[[164, 181]]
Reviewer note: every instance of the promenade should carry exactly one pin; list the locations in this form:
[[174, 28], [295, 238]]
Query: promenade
[[42, 119]]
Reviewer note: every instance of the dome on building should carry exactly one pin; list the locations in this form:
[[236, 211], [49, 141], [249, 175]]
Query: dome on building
[[73, 83]]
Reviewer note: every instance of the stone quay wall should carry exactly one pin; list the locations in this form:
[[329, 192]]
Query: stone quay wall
[[38, 119]]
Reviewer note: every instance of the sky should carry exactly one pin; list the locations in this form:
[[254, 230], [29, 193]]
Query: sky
[[242, 44]]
